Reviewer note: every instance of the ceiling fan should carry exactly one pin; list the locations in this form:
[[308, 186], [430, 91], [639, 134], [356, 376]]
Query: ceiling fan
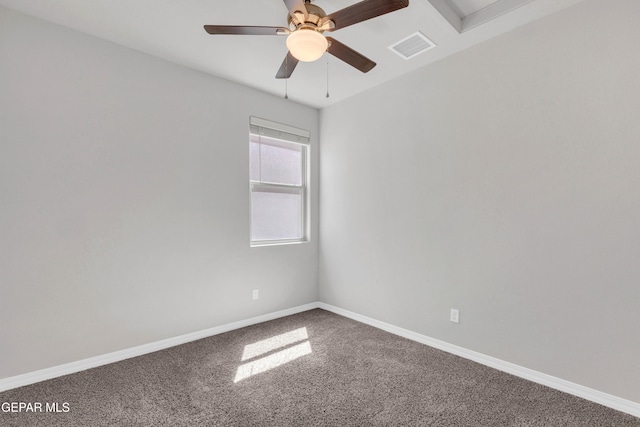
[[307, 23]]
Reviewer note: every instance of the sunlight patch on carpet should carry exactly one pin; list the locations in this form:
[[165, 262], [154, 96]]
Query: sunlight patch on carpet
[[276, 359], [273, 343]]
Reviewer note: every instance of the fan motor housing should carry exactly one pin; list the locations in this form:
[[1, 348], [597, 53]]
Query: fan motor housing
[[314, 16]]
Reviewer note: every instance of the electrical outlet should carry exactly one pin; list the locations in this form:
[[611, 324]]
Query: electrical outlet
[[255, 294], [455, 316]]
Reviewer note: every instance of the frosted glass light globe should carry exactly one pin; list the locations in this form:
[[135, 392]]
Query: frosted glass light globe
[[306, 45]]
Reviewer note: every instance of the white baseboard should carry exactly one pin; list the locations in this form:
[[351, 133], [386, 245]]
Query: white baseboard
[[116, 356], [605, 399]]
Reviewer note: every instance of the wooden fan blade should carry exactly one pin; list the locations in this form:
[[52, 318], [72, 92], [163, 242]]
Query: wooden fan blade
[[246, 30], [364, 10], [296, 6], [350, 56], [287, 67]]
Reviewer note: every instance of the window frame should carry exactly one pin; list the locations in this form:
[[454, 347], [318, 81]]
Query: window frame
[[288, 135]]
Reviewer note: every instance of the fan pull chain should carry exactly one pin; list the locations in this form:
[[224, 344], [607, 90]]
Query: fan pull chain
[[327, 76]]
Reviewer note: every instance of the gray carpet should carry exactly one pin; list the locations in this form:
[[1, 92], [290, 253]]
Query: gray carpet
[[354, 375]]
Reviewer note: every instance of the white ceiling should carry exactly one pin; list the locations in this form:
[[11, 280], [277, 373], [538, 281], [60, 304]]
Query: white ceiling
[[173, 30]]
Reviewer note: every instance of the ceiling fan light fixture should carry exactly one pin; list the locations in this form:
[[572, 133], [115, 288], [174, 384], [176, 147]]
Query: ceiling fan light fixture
[[307, 44]]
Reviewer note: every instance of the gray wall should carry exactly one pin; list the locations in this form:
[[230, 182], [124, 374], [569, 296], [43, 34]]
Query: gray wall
[[124, 200], [503, 181]]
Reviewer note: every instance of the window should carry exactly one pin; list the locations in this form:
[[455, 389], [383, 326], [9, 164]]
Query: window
[[278, 182]]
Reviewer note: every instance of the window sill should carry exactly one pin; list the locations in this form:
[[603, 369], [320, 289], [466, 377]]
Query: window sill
[[277, 243]]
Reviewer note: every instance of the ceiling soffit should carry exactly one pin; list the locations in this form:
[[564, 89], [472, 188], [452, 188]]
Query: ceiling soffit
[[464, 15]]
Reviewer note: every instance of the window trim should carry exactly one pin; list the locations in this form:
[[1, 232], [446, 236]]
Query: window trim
[[289, 134]]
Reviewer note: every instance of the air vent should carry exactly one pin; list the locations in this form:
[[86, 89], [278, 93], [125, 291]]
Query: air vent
[[412, 46]]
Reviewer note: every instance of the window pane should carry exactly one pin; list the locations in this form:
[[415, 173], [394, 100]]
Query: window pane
[[254, 159], [276, 214], [275, 161]]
